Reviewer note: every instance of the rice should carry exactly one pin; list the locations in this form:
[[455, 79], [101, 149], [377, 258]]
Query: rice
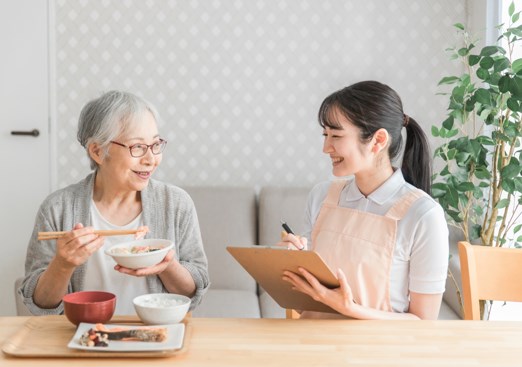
[[161, 302]]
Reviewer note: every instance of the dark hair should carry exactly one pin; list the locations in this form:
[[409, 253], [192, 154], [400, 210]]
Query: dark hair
[[370, 106]]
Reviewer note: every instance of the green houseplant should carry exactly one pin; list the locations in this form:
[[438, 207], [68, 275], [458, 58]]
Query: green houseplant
[[479, 185]]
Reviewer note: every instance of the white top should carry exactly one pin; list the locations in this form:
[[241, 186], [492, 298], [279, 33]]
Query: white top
[[420, 258], [100, 274]]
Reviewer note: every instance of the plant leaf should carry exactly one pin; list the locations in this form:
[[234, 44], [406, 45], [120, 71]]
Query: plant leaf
[[487, 62], [449, 80], [483, 96], [474, 231], [489, 50], [516, 66], [482, 73], [482, 173], [465, 186], [515, 87], [438, 189], [501, 64], [473, 60], [459, 26], [514, 105], [511, 171], [502, 203], [448, 123], [503, 83], [508, 186]]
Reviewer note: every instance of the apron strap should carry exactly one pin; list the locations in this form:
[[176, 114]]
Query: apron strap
[[401, 207], [334, 192]]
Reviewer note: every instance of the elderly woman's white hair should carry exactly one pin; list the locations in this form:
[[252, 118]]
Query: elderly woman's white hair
[[109, 116]]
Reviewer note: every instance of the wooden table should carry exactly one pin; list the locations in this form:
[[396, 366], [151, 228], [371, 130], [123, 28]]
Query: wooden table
[[273, 342]]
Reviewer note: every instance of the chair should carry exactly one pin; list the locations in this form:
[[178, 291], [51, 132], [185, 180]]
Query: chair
[[21, 308], [489, 273], [291, 314]]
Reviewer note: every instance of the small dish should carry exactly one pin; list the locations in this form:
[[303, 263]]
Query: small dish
[[174, 340], [149, 252]]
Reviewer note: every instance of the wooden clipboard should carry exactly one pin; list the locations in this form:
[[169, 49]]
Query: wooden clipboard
[[266, 266]]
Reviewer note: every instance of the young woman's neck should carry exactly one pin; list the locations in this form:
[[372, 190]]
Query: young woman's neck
[[371, 180]]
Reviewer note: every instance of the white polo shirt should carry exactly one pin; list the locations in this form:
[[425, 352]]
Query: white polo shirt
[[420, 258]]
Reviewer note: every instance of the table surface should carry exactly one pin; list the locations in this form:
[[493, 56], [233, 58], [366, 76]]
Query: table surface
[[275, 342]]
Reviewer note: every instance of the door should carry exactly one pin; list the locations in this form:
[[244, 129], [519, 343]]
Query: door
[[24, 106]]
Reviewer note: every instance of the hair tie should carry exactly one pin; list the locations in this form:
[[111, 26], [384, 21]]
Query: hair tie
[[406, 120]]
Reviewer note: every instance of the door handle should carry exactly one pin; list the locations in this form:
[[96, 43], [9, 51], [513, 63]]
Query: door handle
[[34, 132]]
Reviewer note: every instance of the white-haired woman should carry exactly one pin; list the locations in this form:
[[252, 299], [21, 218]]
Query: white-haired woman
[[120, 134]]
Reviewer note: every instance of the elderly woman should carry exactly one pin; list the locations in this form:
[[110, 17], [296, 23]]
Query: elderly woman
[[120, 134]]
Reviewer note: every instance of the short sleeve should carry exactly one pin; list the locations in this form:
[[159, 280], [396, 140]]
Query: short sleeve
[[430, 253]]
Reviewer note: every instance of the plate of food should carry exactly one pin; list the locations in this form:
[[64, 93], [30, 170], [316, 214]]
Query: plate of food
[[127, 338]]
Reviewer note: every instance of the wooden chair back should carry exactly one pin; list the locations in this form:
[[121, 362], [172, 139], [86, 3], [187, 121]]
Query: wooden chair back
[[489, 273], [292, 314]]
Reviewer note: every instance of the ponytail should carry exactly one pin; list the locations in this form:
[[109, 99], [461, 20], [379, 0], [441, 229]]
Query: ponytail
[[416, 161], [370, 106]]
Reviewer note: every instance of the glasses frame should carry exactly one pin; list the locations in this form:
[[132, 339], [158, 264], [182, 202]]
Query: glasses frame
[[162, 142]]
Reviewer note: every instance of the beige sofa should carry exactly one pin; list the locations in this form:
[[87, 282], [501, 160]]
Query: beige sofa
[[242, 216]]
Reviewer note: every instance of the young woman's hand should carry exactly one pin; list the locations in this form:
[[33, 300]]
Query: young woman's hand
[[339, 299], [293, 242]]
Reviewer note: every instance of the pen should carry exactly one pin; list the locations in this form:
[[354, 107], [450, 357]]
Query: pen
[[289, 231], [286, 228]]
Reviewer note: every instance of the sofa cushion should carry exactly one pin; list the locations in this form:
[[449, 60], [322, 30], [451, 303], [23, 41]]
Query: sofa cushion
[[227, 216], [228, 303], [280, 203], [447, 313], [269, 308], [276, 204]]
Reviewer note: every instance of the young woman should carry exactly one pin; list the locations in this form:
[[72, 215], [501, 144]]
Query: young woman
[[382, 233], [120, 134]]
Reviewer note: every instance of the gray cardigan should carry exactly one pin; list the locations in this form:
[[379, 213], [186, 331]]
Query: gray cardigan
[[168, 211]]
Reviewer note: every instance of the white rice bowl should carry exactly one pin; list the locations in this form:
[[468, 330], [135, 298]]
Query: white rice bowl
[[161, 308]]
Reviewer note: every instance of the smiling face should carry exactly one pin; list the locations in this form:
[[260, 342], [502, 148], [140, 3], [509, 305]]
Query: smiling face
[[348, 154], [124, 172]]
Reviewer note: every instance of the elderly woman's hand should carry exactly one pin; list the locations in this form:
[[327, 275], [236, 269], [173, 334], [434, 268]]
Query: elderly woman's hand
[[151, 270], [142, 231], [74, 248]]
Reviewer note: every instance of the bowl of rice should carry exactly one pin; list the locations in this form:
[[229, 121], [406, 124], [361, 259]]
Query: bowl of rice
[[161, 308], [140, 253]]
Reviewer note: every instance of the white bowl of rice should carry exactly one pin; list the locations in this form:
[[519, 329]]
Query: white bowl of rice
[[161, 308], [140, 253]]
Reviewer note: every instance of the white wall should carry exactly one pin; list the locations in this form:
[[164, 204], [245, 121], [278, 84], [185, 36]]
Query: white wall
[[239, 83]]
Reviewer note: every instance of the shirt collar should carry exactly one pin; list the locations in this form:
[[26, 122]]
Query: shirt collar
[[383, 193]]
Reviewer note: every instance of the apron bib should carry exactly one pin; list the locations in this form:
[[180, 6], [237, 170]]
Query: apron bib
[[361, 244]]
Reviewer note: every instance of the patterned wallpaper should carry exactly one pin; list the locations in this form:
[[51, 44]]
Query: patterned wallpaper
[[238, 82]]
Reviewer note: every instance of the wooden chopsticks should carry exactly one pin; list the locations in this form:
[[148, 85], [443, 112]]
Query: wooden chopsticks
[[42, 236]]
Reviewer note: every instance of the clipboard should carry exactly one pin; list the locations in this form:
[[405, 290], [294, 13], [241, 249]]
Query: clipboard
[[266, 266]]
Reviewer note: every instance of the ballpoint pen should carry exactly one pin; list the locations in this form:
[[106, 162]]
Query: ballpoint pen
[[286, 227], [289, 231]]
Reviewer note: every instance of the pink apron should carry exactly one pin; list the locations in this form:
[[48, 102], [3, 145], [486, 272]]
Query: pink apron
[[361, 244]]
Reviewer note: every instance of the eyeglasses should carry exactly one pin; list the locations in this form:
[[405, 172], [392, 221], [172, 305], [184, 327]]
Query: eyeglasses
[[139, 150]]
